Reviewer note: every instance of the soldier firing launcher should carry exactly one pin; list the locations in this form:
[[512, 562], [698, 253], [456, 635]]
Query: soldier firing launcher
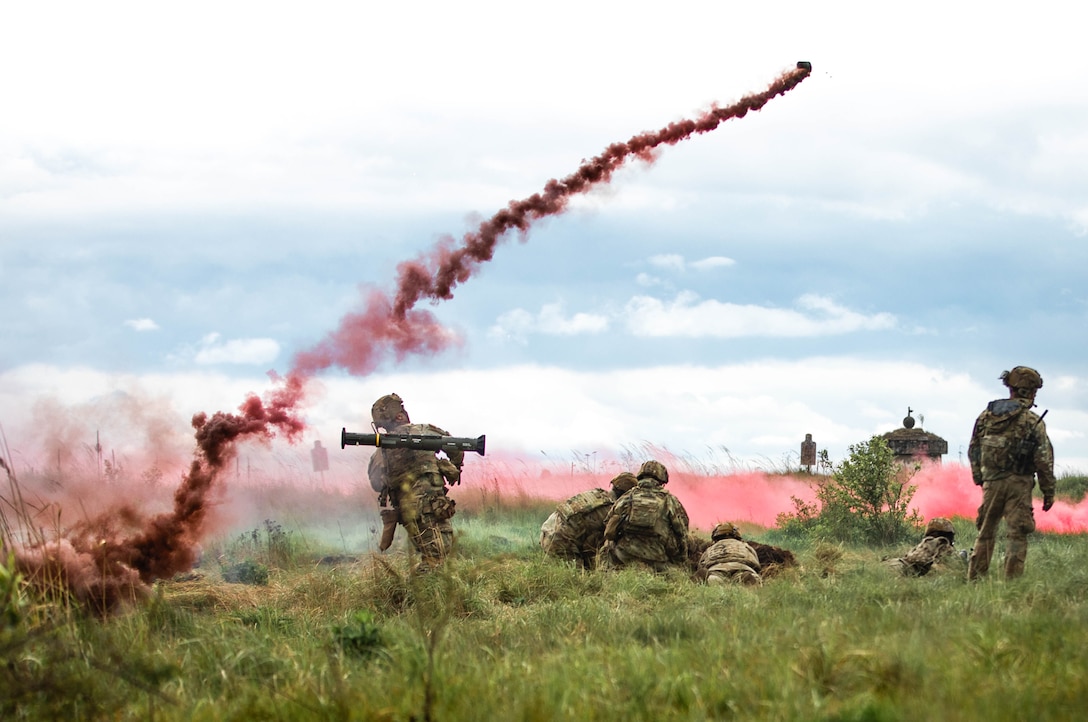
[[418, 442]]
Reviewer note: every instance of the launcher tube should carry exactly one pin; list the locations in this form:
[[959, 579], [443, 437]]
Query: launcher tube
[[419, 442]]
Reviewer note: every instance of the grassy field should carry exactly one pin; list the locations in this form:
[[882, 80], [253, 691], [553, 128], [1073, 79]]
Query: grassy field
[[504, 633]]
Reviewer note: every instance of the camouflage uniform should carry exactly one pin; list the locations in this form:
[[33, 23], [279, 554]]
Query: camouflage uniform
[[646, 526], [936, 548], [728, 559], [575, 530], [414, 482], [1006, 426]]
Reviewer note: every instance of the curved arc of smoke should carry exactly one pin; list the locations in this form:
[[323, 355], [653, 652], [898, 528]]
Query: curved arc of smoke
[[436, 276]]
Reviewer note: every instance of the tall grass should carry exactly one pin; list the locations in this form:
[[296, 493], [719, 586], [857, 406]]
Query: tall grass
[[502, 632], [512, 635]]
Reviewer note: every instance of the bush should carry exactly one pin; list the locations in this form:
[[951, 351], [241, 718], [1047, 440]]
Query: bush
[[865, 500], [360, 637], [247, 572]]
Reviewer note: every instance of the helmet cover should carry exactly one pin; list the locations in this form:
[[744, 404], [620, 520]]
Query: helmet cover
[[654, 470]]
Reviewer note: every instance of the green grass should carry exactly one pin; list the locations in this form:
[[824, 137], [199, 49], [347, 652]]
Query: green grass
[[1072, 487], [504, 633]]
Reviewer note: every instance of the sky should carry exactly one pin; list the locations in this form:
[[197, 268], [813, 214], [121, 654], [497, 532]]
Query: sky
[[191, 194]]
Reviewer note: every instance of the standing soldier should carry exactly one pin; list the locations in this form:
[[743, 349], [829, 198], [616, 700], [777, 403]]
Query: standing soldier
[[647, 526], [575, 530], [414, 482], [1009, 448]]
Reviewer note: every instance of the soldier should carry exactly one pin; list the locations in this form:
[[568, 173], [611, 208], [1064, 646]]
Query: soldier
[[414, 482], [647, 526], [729, 559], [1009, 448], [575, 530], [937, 546]]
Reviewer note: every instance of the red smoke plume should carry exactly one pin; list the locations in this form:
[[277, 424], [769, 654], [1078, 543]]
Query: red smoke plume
[[103, 563], [758, 498], [101, 567], [365, 337]]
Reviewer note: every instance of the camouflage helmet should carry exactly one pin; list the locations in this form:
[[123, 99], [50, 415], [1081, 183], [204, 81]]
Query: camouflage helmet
[[939, 526], [385, 410], [1023, 377], [725, 530], [623, 482], [654, 470]]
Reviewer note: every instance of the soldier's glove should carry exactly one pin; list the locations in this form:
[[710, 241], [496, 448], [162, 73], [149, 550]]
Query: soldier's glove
[[977, 479], [1048, 501]]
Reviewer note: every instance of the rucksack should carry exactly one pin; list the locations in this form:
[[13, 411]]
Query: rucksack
[[646, 511]]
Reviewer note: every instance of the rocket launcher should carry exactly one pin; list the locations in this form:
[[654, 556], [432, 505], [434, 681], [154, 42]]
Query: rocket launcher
[[417, 442]]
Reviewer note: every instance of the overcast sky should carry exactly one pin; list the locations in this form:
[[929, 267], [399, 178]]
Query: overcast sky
[[191, 193]]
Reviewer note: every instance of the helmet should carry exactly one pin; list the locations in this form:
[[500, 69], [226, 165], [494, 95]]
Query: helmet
[[725, 530], [1022, 377], [624, 482], [385, 410], [654, 470], [939, 526]]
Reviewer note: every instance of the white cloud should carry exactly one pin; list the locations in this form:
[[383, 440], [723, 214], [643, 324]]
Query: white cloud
[[519, 323], [676, 262], [712, 262], [237, 351], [669, 261], [758, 411], [142, 324], [687, 316]]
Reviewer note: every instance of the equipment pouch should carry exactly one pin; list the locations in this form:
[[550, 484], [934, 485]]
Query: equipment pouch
[[442, 507], [996, 453], [645, 512]]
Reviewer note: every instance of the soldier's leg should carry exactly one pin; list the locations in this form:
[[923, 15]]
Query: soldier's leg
[[1020, 521], [989, 517], [1016, 553], [432, 547], [409, 511]]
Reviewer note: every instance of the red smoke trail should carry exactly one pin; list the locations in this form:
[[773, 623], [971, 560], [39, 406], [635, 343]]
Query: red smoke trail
[[364, 337], [101, 567], [102, 563]]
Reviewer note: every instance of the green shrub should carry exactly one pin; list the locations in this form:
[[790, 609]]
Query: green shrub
[[360, 637], [247, 572], [865, 500]]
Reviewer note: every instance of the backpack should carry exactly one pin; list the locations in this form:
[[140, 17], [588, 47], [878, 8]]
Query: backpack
[[583, 503], [646, 512], [1003, 429]]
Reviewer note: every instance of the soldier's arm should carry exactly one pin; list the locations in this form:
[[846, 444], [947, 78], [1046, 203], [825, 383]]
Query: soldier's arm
[[614, 520], [450, 473], [974, 454], [678, 518], [456, 456], [1043, 462]]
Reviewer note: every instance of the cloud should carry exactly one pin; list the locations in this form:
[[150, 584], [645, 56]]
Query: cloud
[[142, 324], [676, 262], [671, 261], [712, 262], [519, 323], [648, 281], [237, 351], [686, 316]]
